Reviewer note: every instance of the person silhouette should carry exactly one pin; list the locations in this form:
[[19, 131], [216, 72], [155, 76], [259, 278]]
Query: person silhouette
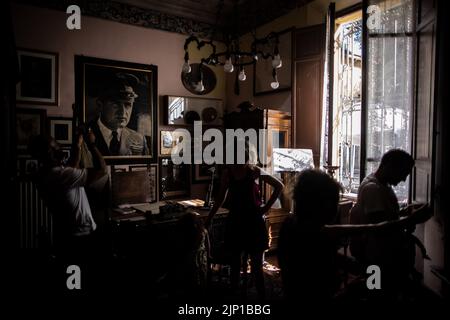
[[245, 232]]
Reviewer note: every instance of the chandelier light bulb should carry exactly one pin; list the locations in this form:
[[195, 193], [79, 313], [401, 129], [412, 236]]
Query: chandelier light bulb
[[186, 67], [242, 76], [228, 66], [255, 57], [276, 61], [274, 84]]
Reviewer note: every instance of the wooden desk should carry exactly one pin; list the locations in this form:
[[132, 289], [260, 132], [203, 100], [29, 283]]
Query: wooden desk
[[155, 217], [138, 234]]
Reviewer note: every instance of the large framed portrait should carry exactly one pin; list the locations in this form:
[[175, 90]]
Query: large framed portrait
[[29, 123], [38, 77], [117, 100]]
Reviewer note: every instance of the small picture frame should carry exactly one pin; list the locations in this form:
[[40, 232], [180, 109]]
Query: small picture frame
[[174, 180], [169, 140], [61, 129], [202, 173], [31, 166], [38, 77], [29, 123]]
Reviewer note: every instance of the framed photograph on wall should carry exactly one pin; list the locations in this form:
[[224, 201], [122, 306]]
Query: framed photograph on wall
[[169, 140], [183, 111], [29, 123], [202, 173], [38, 77], [118, 101], [262, 70], [60, 129], [174, 180], [31, 166]]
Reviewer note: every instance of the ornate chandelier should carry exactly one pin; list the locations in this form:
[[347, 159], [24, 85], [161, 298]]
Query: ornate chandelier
[[234, 57]]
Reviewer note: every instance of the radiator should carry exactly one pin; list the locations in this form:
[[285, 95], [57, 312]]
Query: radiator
[[34, 219]]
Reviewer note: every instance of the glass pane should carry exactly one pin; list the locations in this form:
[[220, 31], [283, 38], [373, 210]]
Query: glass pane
[[347, 99], [389, 84], [396, 16], [279, 136]]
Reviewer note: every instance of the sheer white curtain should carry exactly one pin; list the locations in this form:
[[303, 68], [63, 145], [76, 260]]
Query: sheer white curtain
[[389, 93]]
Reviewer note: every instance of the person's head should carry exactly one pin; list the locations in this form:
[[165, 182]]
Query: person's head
[[245, 106], [316, 197], [115, 101], [395, 166], [46, 150], [244, 152]]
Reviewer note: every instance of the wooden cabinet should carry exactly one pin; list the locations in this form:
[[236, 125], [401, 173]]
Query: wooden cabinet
[[278, 125]]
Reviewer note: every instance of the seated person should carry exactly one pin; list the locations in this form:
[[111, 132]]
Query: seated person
[[377, 202], [189, 264], [306, 254], [307, 247]]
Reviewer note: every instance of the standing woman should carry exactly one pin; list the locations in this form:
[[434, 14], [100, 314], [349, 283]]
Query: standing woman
[[246, 231]]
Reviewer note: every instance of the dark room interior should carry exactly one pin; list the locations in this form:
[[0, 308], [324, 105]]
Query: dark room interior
[[241, 154]]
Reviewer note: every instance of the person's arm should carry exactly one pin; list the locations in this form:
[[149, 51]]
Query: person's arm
[[410, 209], [218, 202], [277, 187], [75, 156], [99, 169], [418, 215]]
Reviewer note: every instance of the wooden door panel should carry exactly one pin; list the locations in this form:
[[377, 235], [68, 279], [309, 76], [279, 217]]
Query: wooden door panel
[[308, 105], [309, 42], [423, 135]]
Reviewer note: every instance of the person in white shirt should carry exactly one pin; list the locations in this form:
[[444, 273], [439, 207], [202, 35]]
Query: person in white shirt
[[376, 203], [62, 186]]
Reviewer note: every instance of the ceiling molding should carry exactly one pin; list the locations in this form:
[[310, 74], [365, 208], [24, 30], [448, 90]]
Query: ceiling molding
[[189, 17], [129, 14]]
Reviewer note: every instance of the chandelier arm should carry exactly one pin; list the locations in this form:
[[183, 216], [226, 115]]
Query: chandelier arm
[[200, 44], [226, 53]]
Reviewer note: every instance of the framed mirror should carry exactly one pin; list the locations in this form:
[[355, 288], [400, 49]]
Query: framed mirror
[[185, 110]]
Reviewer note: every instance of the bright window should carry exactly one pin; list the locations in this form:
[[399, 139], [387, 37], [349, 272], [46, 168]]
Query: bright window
[[389, 94]]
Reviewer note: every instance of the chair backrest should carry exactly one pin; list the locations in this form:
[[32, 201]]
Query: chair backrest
[[357, 242]]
